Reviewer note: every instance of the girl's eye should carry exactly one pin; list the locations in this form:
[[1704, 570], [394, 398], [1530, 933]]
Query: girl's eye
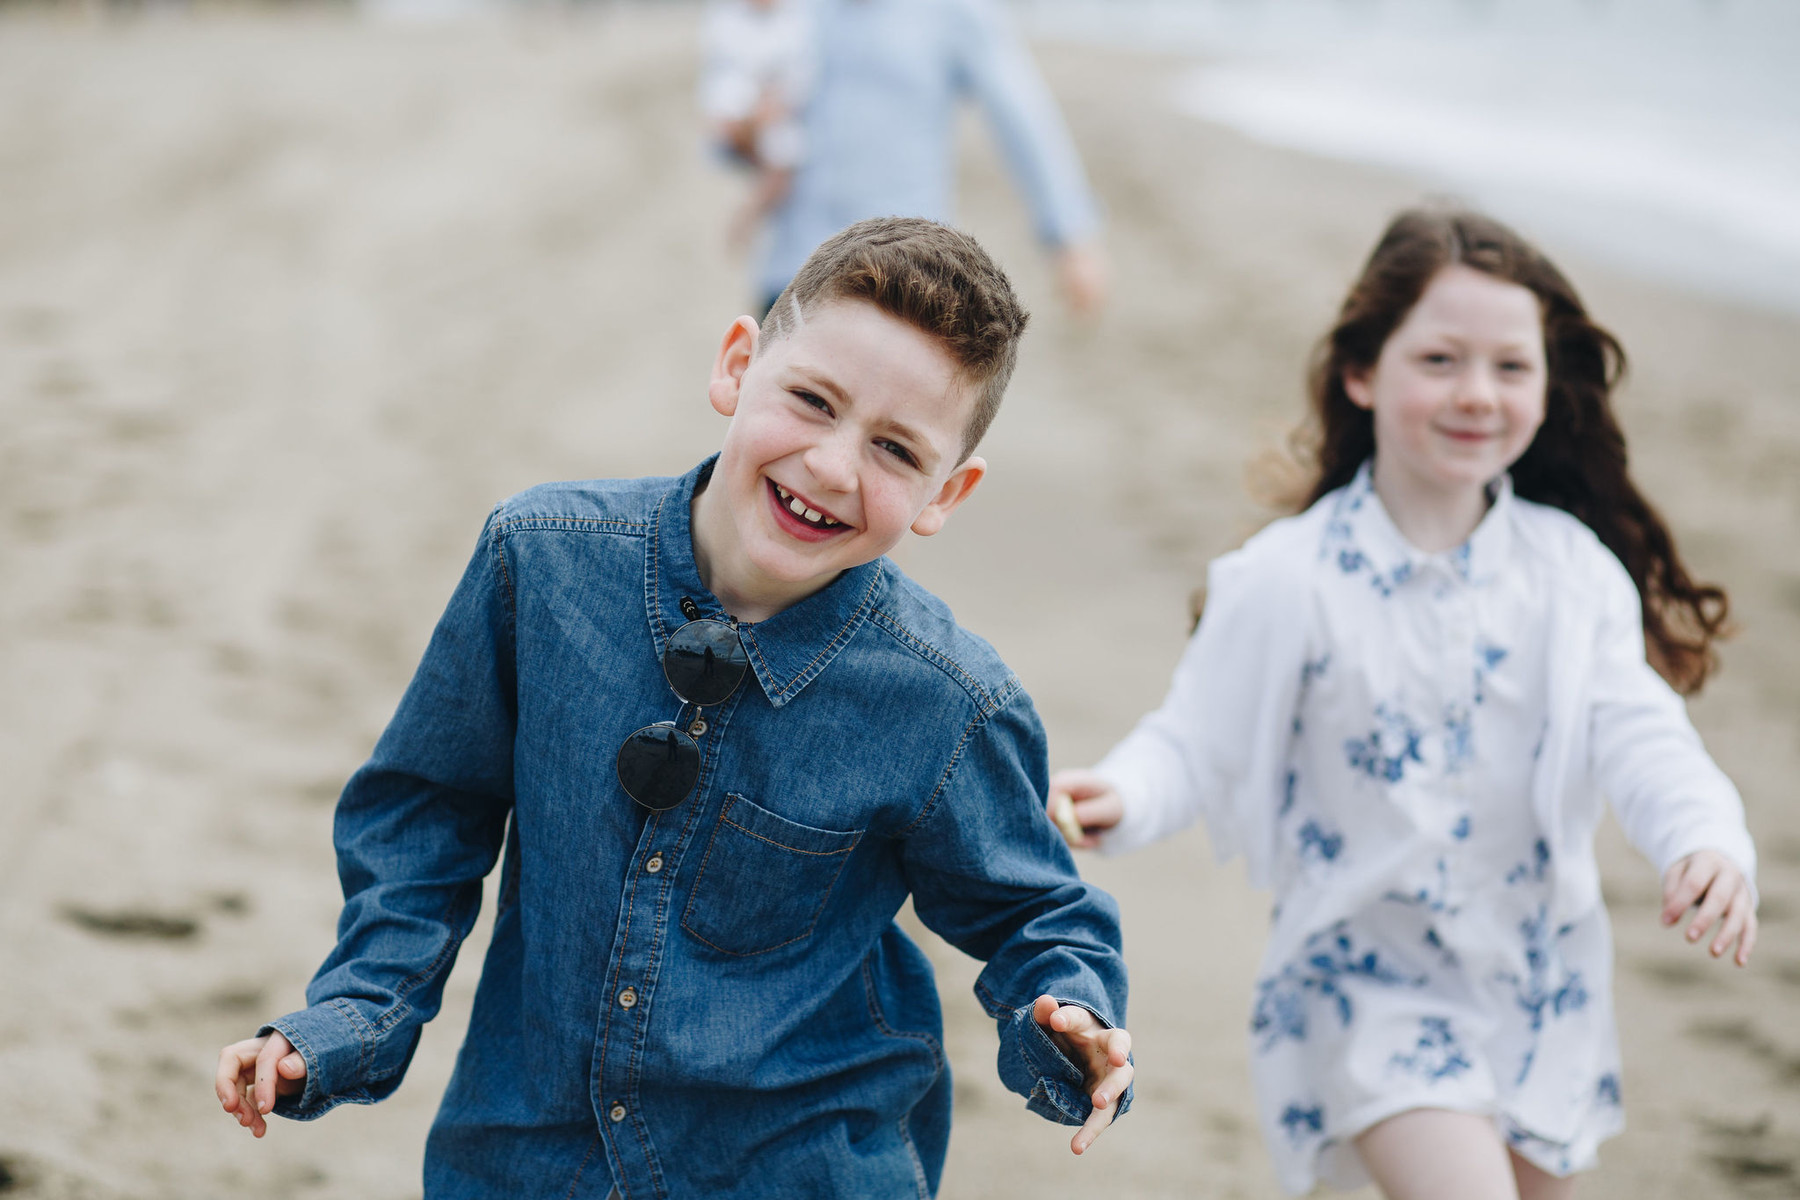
[[1436, 358], [1515, 367]]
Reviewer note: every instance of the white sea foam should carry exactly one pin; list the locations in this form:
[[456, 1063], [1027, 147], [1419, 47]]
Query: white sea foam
[[1663, 135]]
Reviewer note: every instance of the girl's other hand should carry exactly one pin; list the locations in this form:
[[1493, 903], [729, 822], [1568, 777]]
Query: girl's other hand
[[252, 1073], [1096, 806], [1707, 880]]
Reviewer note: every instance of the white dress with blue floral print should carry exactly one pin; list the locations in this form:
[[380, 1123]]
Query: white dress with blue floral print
[[1421, 954]]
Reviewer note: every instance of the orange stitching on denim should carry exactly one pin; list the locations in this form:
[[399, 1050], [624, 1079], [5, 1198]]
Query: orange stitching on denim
[[724, 820], [576, 1182], [944, 779]]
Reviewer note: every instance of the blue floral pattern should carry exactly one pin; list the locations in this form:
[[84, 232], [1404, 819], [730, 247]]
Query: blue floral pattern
[[1391, 745], [1437, 1054], [1330, 964]]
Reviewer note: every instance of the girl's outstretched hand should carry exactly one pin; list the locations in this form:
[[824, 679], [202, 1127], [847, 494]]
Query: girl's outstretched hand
[[1083, 805], [252, 1073], [1102, 1053], [1707, 880]]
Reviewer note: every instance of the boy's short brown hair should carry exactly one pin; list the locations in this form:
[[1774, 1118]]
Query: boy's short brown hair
[[938, 280]]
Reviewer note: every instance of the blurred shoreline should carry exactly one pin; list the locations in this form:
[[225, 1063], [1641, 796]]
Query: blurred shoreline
[[1662, 136]]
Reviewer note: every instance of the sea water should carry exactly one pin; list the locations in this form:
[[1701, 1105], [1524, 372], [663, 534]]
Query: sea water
[[1660, 135]]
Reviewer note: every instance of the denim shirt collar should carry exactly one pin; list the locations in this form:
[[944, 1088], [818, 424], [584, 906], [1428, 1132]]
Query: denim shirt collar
[[788, 650], [1373, 542]]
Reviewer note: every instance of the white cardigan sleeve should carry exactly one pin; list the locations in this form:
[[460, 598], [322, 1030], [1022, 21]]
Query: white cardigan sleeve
[[1217, 747], [1645, 754]]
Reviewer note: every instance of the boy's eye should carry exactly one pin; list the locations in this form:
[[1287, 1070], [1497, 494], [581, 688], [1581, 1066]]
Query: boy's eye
[[807, 397], [900, 452]]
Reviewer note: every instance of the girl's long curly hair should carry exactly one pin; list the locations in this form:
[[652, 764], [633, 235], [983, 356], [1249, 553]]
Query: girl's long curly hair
[[1577, 460]]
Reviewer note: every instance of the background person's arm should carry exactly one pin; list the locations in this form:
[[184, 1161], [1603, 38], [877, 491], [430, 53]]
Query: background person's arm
[[996, 68]]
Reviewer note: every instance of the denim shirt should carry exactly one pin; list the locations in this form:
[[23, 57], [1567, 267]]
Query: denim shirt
[[713, 1000]]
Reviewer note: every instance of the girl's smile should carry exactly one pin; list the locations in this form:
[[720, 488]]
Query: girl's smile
[[1457, 395]]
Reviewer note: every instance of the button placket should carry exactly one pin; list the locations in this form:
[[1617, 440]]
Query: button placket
[[663, 839]]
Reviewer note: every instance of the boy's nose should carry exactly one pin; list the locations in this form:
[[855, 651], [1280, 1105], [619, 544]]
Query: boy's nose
[[832, 461]]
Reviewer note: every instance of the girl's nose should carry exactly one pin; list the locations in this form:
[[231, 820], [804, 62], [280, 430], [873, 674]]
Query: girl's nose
[[1477, 389]]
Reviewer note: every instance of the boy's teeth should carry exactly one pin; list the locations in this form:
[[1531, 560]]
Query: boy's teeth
[[799, 509]]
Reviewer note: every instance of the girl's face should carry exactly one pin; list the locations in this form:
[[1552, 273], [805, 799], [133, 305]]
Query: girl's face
[[1458, 391]]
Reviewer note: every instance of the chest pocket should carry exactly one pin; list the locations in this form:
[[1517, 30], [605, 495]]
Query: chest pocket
[[764, 880]]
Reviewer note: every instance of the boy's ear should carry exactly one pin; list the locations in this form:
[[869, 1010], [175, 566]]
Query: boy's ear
[[959, 487], [1356, 386], [735, 353]]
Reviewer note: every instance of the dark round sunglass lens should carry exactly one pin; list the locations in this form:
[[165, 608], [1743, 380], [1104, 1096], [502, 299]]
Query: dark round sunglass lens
[[658, 766], [705, 661]]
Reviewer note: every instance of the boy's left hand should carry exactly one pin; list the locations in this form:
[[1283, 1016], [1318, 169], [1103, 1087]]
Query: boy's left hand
[[1707, 880], [1103, 1055]]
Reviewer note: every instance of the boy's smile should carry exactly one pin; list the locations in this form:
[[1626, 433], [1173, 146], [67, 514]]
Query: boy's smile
[[844, 434]]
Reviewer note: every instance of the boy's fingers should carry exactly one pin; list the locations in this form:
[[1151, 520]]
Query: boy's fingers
[[232, 1061], [1113, 1086], [273, 1051], [1043, 1009], [1102, 1114]]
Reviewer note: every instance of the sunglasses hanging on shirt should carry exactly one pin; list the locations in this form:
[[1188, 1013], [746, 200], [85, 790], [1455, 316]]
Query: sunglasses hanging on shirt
[[704, 661]]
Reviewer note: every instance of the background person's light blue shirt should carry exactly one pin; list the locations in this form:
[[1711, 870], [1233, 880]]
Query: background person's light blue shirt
[[880, 124]]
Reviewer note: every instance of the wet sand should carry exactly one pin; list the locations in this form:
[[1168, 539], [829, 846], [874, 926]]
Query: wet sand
[[286, 304]]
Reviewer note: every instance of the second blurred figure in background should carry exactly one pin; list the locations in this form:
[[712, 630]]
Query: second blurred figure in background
[[846, 109]]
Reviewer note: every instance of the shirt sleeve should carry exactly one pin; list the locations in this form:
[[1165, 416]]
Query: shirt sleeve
[[990, 874], [996, 68], [1217, 746], [1671, 798], [417, 829]]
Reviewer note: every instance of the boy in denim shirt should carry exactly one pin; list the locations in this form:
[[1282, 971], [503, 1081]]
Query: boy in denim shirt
[[696, 986]]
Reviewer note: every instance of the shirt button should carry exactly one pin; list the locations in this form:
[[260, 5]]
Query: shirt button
[[618, 1113], [653, 864], [628, 998]]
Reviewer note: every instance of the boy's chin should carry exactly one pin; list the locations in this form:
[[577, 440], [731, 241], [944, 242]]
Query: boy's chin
[[818, 564]]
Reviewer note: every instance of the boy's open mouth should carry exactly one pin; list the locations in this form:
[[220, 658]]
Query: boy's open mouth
[[798, 514]]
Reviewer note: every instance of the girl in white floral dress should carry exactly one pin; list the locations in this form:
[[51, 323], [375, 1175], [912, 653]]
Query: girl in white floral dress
[[1403, 707]]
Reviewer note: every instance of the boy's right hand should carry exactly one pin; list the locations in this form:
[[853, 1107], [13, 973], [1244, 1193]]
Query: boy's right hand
[[1096, 806], [255, 1071]]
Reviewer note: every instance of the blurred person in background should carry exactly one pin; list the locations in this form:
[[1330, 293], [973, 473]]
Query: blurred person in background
[[877, 121], [756, 74]]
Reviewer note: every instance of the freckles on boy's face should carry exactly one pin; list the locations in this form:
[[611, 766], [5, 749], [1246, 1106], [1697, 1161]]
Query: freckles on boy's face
[[847, 432]]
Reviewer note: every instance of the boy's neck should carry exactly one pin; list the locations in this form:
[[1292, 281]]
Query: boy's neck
[[746, 593], [1432, 519]]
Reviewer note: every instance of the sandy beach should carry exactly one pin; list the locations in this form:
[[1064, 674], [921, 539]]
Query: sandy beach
[[287, 303]]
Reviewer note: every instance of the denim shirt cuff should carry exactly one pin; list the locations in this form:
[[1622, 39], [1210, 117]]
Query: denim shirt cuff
[[336, 1044], [1032, 1065]]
